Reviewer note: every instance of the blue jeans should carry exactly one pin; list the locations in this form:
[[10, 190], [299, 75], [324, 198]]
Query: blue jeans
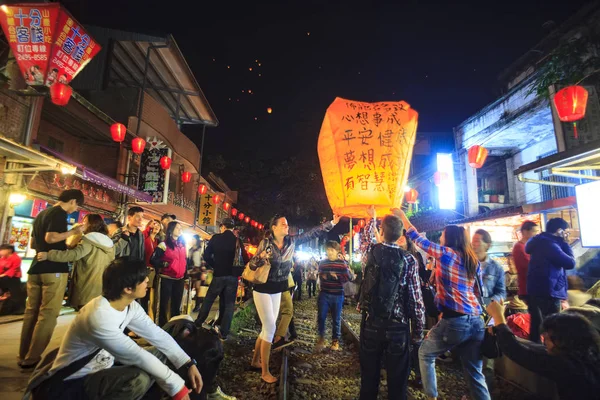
[[334, 303], [465, 334], [226, 288]]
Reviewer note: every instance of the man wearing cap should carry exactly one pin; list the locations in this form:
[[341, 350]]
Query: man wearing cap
[[220, 254]]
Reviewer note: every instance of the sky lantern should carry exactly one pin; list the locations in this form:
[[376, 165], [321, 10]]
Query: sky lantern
[[570, 104], [165, 162], [247, 219], [269, 110], [365, 150], [186, 176], [226, 206], [60, 93], [202, 189], [412, 196], [241, 216], [118, 131], [440, 177], [477, 156], [216, 199], [138, 145], [234, 212]]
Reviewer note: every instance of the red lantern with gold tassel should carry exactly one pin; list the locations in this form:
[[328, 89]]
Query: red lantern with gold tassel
[[570, 104], [477, 156]]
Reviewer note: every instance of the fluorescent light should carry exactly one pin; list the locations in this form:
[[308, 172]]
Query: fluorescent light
[[16, 198], [446, 189]]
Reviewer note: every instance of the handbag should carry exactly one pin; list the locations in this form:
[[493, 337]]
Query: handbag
[[489, 346], [428, 293], [261, 273]]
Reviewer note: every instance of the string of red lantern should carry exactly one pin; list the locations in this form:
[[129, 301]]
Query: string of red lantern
[[226, 206], [411, 196], [234, 212], [186, 176], [241, 216], [202, 189], [138, 145], [118, 131], [247, 220], [571, 103], [216, 199], [165, 162], [60, 93]]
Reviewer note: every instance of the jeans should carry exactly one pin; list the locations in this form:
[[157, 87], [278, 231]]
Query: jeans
[[379, 337], [45, 293], [311, 287], [334, 303], [170, 289], [226, 288], [464, 334], [298, 283], [539, 308]]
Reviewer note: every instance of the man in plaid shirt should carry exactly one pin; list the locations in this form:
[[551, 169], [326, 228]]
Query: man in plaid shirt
[[390, 336]]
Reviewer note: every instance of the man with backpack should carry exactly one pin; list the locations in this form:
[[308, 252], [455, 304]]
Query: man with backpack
[[389, 295]]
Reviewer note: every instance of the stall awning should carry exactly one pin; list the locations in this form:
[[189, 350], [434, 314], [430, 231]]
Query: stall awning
[[90, 175], [30, 159], [581, 163]]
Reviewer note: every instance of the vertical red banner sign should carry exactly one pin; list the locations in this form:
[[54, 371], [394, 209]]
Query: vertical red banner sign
[[48, 43]]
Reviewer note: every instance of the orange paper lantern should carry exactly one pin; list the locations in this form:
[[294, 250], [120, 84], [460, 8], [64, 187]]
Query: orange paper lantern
[[165, 162], [477, 156], [118, 131], [138, 145], [411, 196], [186, 176], [60, 93], [570, 104], [365, 151]]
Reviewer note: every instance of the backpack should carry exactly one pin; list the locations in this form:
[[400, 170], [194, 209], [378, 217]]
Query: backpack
[[383, 276]]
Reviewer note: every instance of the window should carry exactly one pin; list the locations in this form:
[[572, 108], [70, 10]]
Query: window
[[555, 192]]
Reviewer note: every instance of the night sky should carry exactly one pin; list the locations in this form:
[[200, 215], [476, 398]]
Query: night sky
[[443, 58]]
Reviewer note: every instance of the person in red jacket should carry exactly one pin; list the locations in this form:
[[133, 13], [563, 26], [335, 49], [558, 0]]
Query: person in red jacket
[[170, 261], [10, 268], [152, 235], [521, 259]]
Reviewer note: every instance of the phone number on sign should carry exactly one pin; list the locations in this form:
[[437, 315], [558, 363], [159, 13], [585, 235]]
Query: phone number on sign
[[60, 64], [30, 57]]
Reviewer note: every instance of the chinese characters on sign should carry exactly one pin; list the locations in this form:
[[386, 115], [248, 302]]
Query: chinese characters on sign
[[48, 43], [365, 151], [153, 179], [208, 210]]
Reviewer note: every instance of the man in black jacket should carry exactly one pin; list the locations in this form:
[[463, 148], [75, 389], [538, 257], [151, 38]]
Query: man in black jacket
[[220, 254]]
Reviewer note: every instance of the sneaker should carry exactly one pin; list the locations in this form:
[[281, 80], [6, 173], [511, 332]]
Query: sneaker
[[283, 342], [335, 345], [320, 346], [219, 395]]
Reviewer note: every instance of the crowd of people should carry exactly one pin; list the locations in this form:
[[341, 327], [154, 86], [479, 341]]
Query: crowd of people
[[420, 302]]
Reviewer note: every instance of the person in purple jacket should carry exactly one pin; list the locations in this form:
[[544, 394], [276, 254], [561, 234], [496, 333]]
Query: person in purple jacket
[[551, 256]]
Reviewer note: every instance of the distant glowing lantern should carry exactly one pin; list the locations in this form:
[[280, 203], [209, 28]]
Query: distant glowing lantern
[[118, 131], [260, 226], [186, 176], [241, 216], [269, 110], [411, 197], [570, 104], [234, 212], [253, 223], [362, 223], [352, 143], [226, 206], [60, 93], [138, 145], [216, 199], [440, 177], [247, 220], [202, 189], [477, 156], [165, 162]]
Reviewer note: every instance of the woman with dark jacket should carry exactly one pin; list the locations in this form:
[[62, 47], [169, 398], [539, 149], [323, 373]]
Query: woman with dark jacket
[[278, 248], [570, 356], [170, 261]]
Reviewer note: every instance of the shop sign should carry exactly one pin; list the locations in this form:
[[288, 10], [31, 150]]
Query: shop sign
[[48, 43], [179, 200], [154, 180], [208, 210]]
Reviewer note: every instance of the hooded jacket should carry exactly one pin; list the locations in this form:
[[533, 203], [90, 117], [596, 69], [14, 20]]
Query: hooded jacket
[[90, 258], [550, 257]]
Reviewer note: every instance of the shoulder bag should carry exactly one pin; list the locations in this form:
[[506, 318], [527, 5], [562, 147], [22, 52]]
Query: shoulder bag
[[260, 274], [489, 346]]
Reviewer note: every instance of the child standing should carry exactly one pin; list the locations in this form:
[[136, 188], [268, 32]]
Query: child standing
[[333, 273]]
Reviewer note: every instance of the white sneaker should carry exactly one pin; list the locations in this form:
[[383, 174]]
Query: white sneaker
[[219, 395]]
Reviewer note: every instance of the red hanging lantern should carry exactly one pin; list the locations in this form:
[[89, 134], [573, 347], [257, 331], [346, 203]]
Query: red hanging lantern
[[241, 216], [226, 206], [356, 229], [247, 220], [234, 212], [202, 189], [477, 156], [165, 162], [60, 93], [440, 177], [260, 226], [216, 199], [118, 132], [186, 176], [411, 196], [362, 223], [138, 145], [570, 104]]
